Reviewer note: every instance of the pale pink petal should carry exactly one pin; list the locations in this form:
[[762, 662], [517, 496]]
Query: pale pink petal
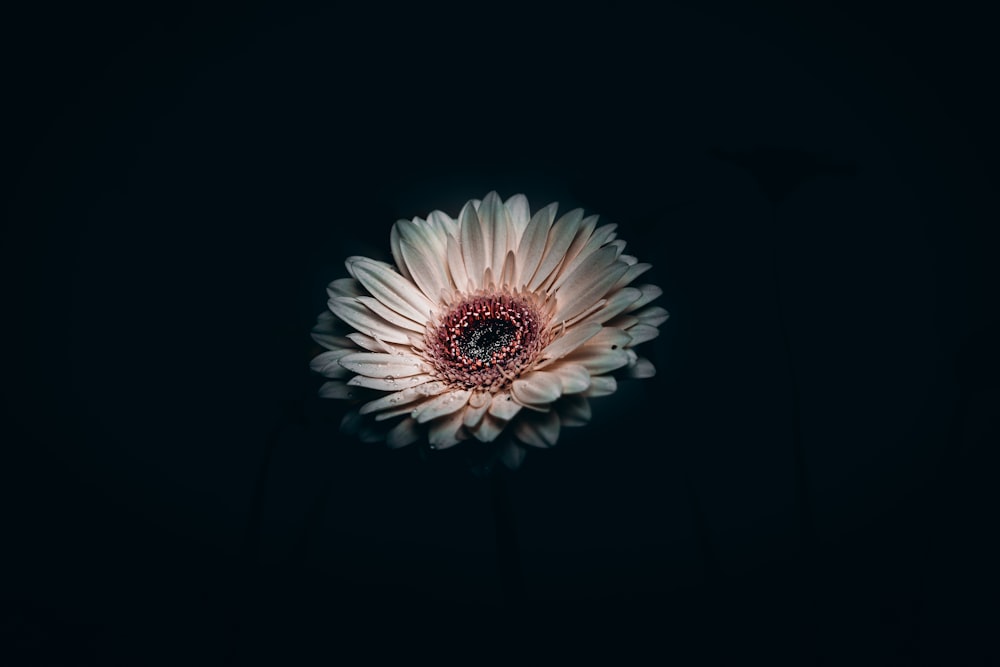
[[615, 304], [394, 290], [441, 405], [389, 383], [641, 333], [446, 431], [559, 239], [634, 271], [497, 230], [641, 369], [374, 364], [574, 410], [390, 315], [568, 342], [601, 385], [489, 429], [583, 236], [365, 321], [504, 407], [573, 378], [336, 389], [406, 432], [520, 214], [456, 266], [328, 364], [589, 282], [474, 252], [404, 397], [368, 343], [654, 315], [531, 248], [537, 388], [474, 413], [599, 361], [538, 429], [344, 287], [575, 257], [428, 272], [649, 292]]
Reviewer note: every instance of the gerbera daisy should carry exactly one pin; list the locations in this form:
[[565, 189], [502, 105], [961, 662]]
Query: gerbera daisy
[[497, 326]]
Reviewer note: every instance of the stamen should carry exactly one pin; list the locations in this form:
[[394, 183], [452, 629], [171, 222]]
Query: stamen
[[485, 340]]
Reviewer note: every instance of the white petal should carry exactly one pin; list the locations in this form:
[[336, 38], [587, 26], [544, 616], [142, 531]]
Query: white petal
[[333, 342], [446, 431], [573, 378], [374, 364], [368, 343], [403, 397], [422, 246], [489, 428], [402, 434], [520, 213], [599, 361], [390, 315], [609, 338], [615, 304], [601, 385], [351, 422], [531, 247], [498, 229], [574, 410], [649, 292], [508, 275], [654, 315], [456, 266], [643, 368], [537, 388], [634, 271], [585, 245], [344, 287], [474, 252], [474, 411], [569, 341], [326, 322], [396, 250], [365, 321], [539, 429], [389, 383], [328, 365], [504, 407], [441, 405], [641, 333], [623, 322], [394, 290], [588, 283], [427, 271], [559, 239], [585, 314], [582, 238], [336, 389], [512, 455]]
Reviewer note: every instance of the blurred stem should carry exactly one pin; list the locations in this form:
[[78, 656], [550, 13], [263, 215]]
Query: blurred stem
[[802, 500], [508, 555]]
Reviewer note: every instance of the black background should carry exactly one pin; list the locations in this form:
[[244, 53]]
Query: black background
[[181, 183]]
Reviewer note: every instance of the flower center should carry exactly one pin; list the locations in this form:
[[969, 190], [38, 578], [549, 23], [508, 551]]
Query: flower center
[[486, 340]]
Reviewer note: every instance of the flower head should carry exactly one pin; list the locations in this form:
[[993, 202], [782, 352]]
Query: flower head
[[497, 327]]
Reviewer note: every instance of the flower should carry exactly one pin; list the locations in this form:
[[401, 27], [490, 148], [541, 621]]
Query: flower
[[497, 327]]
